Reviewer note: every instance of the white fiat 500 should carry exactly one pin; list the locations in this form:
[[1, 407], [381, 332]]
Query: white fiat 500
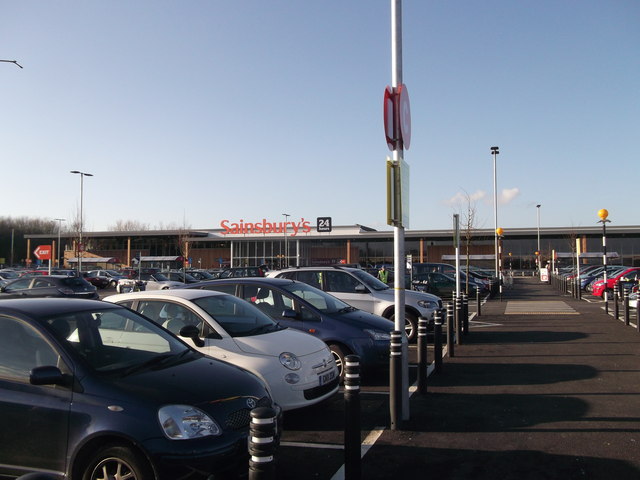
[[297, 367]]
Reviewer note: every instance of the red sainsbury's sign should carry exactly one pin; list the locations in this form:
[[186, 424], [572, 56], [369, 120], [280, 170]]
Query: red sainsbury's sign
[[264, 227]]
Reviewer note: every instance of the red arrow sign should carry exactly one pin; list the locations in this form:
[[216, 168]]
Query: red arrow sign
[[43, 252]]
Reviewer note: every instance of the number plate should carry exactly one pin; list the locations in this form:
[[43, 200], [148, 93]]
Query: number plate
[[326, 377]]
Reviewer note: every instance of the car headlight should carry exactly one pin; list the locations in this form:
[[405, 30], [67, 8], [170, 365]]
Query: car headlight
[[378, 335], [427, 304], [184, 422], [290, 361]]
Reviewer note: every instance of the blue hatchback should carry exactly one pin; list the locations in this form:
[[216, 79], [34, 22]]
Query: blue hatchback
[[345, 329]]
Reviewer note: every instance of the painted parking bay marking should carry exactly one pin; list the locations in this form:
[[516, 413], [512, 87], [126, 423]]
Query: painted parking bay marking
[[528, 307]]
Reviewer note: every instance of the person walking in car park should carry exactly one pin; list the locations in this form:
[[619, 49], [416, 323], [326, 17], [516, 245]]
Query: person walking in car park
[[383, 275]]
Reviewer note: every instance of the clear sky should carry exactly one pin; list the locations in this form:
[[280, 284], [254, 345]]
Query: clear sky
[[190, 112]]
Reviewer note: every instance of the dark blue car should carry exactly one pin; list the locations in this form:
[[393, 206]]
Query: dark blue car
[[91, 390], [345, 329]]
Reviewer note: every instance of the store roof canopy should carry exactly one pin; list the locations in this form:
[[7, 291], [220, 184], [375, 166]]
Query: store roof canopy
[[94, 260]]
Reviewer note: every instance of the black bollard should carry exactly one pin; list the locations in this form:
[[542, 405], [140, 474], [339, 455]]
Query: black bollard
[[262, 444], [450, 332], [465, 313], [616, 295], [422, 355], [458, 320], [395, 380], [478, 302], [437, 341], [626, 305], [352, 449]]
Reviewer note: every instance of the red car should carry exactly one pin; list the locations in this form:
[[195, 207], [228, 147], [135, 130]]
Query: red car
[[629, 276]]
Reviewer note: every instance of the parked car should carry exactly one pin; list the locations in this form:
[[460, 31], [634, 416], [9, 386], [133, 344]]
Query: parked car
[[91, 390], [363, 291], [628, 276], [298, 368], [149, 281], [243, 272], [112, 276], [9, 275], [202, 275], [49, 286], [98, 282], [180, 277], [345, 329], [444, 285]]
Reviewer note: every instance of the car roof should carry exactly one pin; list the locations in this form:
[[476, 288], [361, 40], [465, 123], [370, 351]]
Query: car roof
[[252, 280], [185, 294], [44, 307]]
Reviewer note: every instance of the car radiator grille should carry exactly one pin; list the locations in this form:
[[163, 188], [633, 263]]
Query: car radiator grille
[[241, 418]]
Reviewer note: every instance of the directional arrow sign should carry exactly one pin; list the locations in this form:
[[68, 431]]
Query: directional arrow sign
[[43, 252]]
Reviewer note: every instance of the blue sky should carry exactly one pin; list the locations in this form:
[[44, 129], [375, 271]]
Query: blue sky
[[192, 112]]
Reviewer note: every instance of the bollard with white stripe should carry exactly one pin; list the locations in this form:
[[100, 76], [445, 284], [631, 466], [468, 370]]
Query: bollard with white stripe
[[395, 380], [465, 313], [262, 444], [352, 454], [450, 331], [422, 355], [626, 305], [616, 296], [437, 341]]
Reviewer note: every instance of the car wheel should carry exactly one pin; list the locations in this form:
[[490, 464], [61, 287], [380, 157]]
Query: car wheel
[[113, 283], [339, 358], [410, 326], [117, 462]]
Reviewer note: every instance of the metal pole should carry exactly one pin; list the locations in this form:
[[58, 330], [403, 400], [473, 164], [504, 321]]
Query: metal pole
[[495, 151], [80, 246], [399, 249], [604, 262], [60, 220], [539, 252], [286, 241]]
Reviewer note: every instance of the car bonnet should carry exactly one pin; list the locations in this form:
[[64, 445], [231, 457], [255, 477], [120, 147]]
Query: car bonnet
[[285, 340]]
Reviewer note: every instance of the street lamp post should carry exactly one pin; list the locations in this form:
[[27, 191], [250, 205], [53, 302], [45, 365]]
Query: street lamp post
[[495, 151], [60, 220], [603, 214], [286, 244], [539, 252], [80, 246]]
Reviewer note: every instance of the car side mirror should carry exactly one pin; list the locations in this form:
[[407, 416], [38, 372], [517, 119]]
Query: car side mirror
[[360, 288], [47, 375], [192, 332], [289, 313]]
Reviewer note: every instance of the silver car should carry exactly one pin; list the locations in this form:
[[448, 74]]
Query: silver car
[[364, 291]]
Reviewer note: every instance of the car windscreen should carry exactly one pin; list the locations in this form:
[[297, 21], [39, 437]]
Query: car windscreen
[[321, 300], [110, 339], [369, 280], [238, 317]]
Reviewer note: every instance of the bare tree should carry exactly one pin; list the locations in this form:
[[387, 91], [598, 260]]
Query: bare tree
[[128, 226], [469, 220]]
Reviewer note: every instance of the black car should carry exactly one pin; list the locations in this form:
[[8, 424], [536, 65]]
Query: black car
[[49, 286], [345, 329], [91, 390], [180, 277]]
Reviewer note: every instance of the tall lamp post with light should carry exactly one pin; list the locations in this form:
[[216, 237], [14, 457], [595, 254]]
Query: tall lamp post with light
[[60, 220], [495, 151], [80, 246], [539, 253], [603, 214], [286, 241]]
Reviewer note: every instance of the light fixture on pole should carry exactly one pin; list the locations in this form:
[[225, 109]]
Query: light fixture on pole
[[495, 151], [286, 244], [603, 214], [60, 220], [538, 259], [80, 246]]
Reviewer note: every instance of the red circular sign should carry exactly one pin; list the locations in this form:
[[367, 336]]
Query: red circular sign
[[405, 115]]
